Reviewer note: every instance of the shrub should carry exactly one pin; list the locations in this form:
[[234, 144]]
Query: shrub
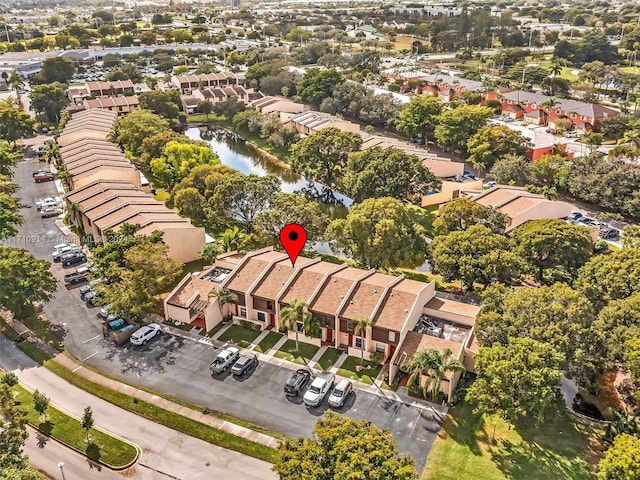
[[9, 378]]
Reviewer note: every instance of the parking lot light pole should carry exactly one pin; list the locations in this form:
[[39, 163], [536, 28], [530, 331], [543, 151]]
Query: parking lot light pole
[[61, 467]]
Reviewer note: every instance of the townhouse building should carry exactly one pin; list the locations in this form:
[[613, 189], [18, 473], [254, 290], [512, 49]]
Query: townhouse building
[[539, 109], [105, 191], [187, 83], [407, 315]]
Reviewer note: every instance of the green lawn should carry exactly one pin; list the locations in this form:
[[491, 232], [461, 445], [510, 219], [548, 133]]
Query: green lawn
[[243, 337], [67, 429], [289, 352], [33, 351], [567, 75], [268, 342], [329, 358], [167, 418], [348, 369], [557, 450]]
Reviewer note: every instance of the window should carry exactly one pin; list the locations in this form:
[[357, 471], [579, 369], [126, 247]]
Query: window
[[349, 326], [243, 312], [359, 343], [392, 336], [380, 348], [299, 326], [262, 317], [270, 306]]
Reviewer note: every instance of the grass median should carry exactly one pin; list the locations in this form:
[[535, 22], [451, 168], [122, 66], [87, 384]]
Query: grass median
[[167, 418], [101, 446]]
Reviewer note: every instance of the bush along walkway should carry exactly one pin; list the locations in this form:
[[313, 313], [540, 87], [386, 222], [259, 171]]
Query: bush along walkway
[[165, 404]]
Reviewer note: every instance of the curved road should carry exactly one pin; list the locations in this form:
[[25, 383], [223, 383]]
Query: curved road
[[167, 454]]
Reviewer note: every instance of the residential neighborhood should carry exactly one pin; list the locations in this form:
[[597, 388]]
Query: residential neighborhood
[[378, 240]]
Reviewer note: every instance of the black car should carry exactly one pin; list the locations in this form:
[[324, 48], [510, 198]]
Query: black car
[[297, 381], [73, 258], [244, 364]]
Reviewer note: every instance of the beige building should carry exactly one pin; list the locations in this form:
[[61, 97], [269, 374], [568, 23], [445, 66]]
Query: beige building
[[312, 121], [521, 206], [452, 189], [407, 315], [107, 205], [278, 105]]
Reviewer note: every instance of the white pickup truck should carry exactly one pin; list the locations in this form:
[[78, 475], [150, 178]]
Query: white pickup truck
[[318, 390], [225, 359]]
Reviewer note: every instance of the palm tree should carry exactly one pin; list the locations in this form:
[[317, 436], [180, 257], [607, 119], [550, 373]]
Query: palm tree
[[435, 365], [73, 210], [556, 69], [418, 365], [224, 296], [442, 363], [312, 327], [65, 177], [362, 324], [15, 80], [51, 153], [290, 316], [232, 239]]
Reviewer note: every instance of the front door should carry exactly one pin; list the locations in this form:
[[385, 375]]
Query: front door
[[350, 340], [329, 335], [272, 320]]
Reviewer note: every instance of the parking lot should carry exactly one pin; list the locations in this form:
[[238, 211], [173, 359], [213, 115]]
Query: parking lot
[[179, 366]]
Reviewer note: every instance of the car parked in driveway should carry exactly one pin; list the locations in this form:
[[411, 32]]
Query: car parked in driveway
[[225, 359], [297, 382], [340, 393], [318, 390], [61, 252], [144, 334], [244, 364], [73, 258]]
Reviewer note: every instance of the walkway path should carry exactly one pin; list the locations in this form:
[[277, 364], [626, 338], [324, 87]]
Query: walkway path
[[166, 453]]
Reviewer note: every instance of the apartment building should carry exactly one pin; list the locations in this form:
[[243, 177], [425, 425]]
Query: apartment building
[[188, 83], [265, 282], [106, 191]]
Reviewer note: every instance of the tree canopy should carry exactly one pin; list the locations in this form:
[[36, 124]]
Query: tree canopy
[[322, 156], [460, 213], [518, 381], [244, 197], [456, 126], [622, 460], [317, 84], [178, 159], [23, 281], [138, 268], [601, 281], [164, 103], [493, 142], [553, 249], [474, 255], [342, 447], [381, 233], [616, 322], [14, 123], [556, 315], [48, 101], [55, 69], [386, 173], [132, 129], [292, 208], [419, 117]]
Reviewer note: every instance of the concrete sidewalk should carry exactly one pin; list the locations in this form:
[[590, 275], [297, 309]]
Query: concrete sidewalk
[[165, 404]]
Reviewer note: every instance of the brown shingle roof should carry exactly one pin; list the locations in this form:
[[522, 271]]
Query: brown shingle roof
[[452, 306], [189, 289], [334, 290], [397, 304], [307, 280], [277, 276], [244, 277], [365, 296]]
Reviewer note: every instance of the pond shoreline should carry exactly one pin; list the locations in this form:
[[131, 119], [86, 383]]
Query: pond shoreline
[[213, 126]]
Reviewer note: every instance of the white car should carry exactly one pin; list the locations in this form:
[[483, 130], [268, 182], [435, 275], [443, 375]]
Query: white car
[[318, 390], [143, 335], [225, 359], [340, 393], [62, 245], [58, 254]]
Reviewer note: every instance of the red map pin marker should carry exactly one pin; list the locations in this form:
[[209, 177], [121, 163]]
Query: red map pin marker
[[293, 237]]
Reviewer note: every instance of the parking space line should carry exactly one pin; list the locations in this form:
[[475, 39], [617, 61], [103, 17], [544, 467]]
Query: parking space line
[[76, 369], [87, 341], [90, 356], [198, 357]]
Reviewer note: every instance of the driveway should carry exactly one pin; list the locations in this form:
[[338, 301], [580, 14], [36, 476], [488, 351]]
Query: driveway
[[179, 366]]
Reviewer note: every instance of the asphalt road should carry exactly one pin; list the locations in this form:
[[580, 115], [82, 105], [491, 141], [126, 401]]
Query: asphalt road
[[166, 454], [179, 366]]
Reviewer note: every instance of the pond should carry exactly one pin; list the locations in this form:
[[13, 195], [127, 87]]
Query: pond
[[235, 152]]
